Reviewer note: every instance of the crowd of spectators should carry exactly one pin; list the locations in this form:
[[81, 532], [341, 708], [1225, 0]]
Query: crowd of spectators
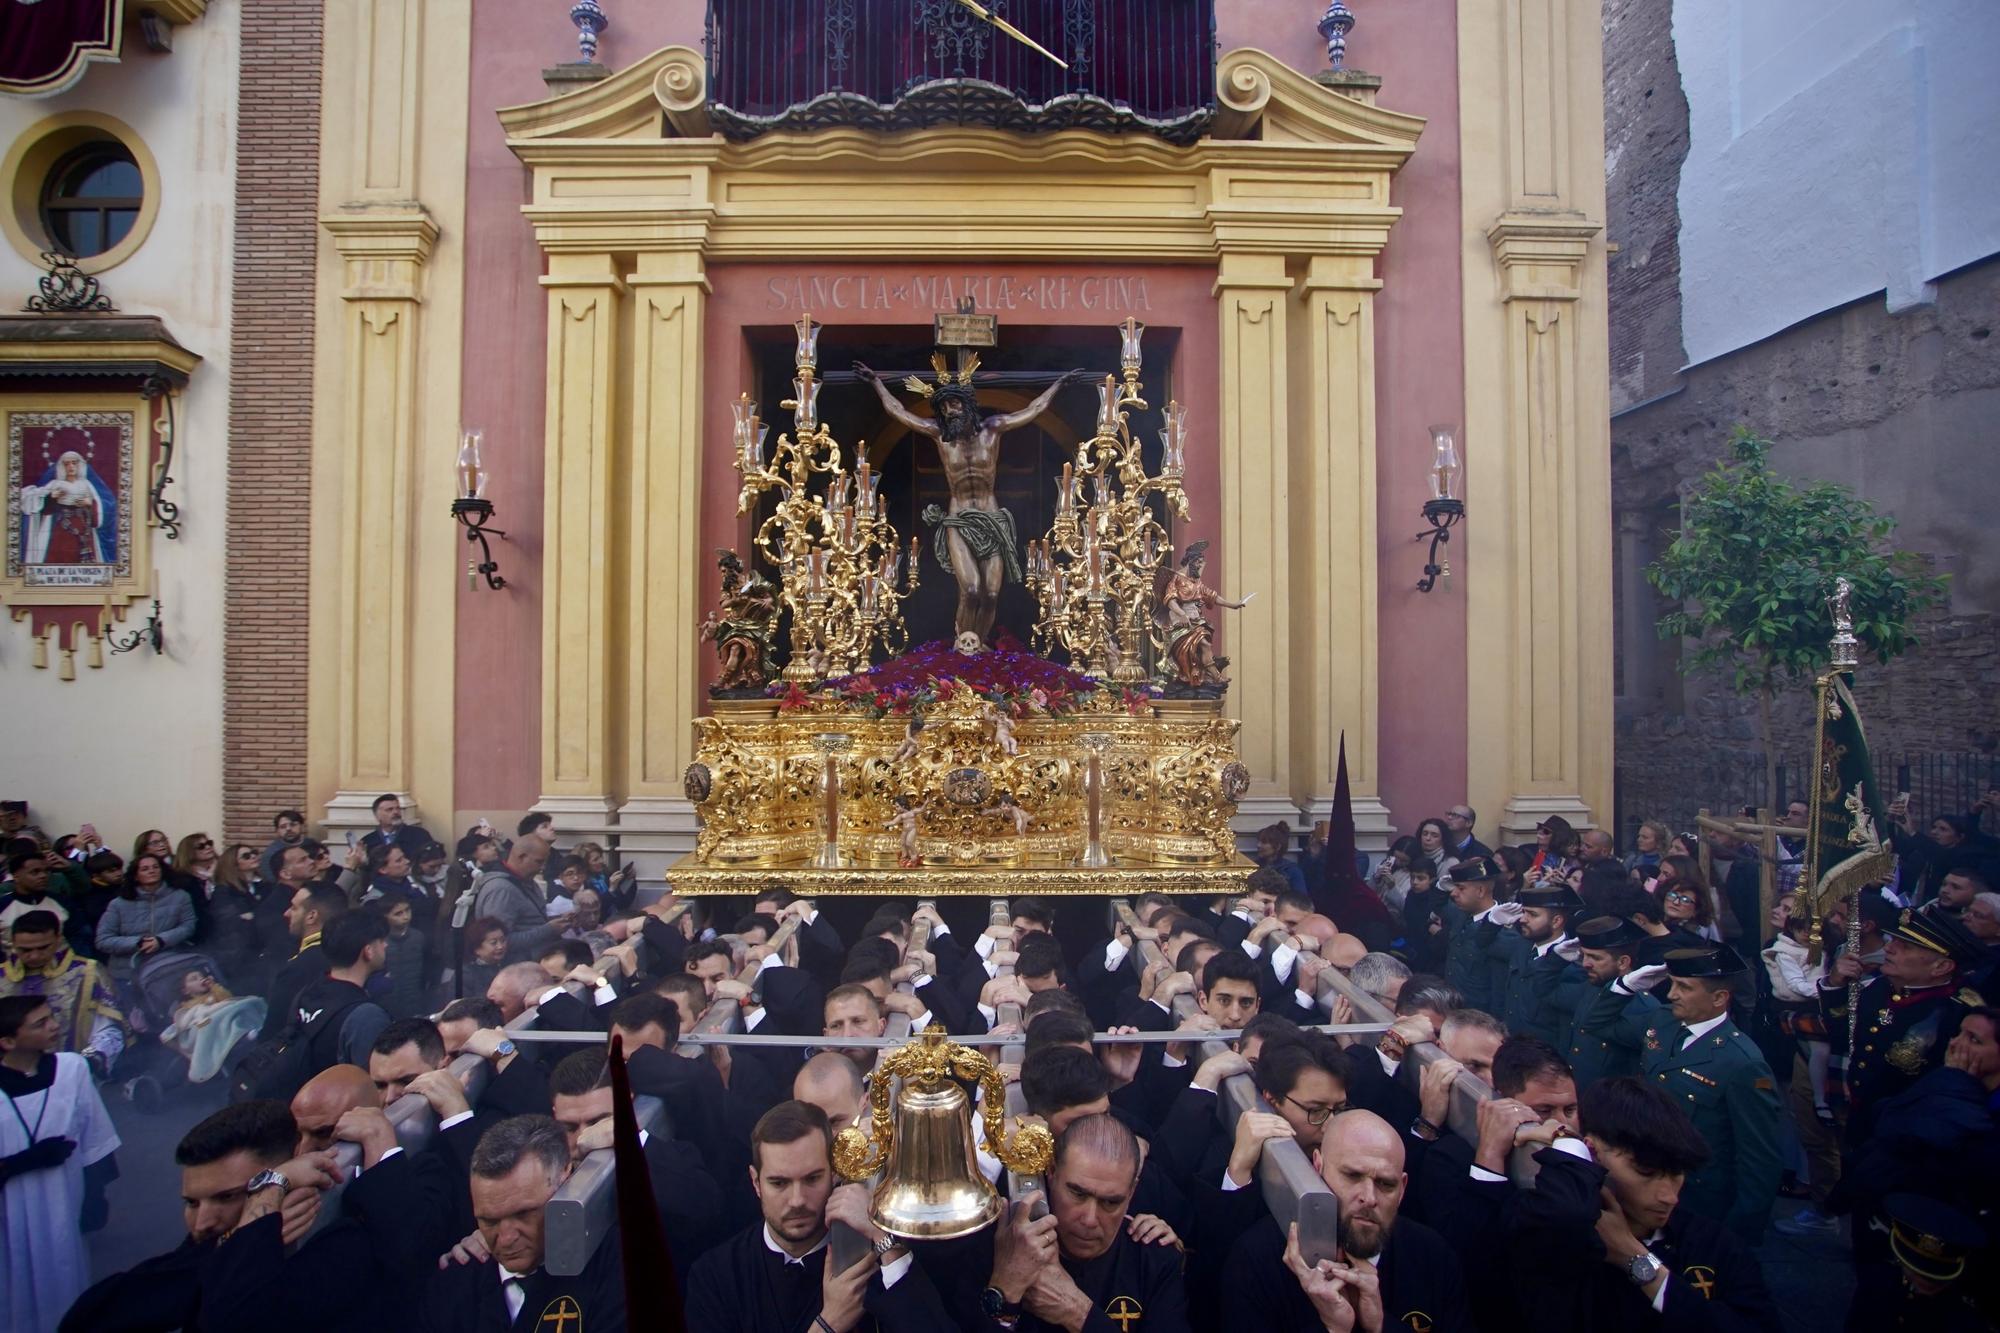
[[1659, 1077]]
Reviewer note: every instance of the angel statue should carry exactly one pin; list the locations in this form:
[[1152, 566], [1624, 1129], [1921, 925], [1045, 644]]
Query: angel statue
[[741, 626], [1188, 637]]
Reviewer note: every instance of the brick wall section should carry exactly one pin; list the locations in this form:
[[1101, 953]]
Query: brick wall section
[[270, 414]]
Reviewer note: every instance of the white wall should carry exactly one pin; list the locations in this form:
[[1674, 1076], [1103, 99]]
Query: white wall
[[1836, 149], [139, 743]]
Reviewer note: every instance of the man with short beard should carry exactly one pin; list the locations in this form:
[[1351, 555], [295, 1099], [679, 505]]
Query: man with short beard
[[1391, 1272], [1615, 1006], [775, 1275], [1539, 976]]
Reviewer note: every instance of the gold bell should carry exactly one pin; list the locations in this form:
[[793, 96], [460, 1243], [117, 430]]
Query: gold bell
[[932, 1187]]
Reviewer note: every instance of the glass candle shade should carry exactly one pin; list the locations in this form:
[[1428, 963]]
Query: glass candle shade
[[1444, 464], [471, 471], [805, 392], [1129, 334]]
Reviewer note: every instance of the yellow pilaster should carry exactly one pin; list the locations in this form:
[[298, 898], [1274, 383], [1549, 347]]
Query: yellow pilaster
[[1252, 295], [1332, 514], [578, 511], [1538, 531], [386, 406], [662, 595]]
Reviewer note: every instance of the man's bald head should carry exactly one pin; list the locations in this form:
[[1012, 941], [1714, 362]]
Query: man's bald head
[[831, 1082], [327, 1096], [1318, 925], [513, 984], [1343, 951], [1361, 1159]]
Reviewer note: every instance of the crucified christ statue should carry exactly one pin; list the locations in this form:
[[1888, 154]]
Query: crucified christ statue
[[976, 541]]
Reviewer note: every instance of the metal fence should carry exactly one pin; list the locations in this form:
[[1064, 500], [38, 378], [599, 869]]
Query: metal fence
[[1727, 782]]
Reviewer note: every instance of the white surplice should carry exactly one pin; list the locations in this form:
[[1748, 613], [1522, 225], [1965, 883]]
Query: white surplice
[[41, 1245]]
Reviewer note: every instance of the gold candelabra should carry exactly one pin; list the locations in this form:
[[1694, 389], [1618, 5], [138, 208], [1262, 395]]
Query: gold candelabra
[[1093, 574], [841, 568]]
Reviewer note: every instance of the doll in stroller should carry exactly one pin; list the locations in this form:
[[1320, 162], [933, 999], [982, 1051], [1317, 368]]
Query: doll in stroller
[[203, 1028]]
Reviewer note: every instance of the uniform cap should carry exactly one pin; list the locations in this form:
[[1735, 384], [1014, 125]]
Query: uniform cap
[[1939, 933], [1929, 1237], [1609, 933], [1557, 896], [1715, 961]]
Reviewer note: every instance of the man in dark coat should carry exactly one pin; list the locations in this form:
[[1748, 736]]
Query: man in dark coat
[[1641, 1259], [774, 1277], [1614, 1009], [1083, 1265], [1716, 1074], [1542, 981], [1402, 1265]]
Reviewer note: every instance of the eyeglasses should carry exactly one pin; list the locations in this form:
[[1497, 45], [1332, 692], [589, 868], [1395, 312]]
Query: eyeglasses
[[1316, 1115], [1679, 897], [204, 846]]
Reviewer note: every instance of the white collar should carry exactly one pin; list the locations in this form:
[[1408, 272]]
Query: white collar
[[1542, 949], [1703, 1029], [509, 1275], [771, 1244]]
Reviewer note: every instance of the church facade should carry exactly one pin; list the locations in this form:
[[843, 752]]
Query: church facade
[[587, 263]]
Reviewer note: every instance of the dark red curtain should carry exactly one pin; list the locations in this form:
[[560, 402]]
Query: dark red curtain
[[44, 47]]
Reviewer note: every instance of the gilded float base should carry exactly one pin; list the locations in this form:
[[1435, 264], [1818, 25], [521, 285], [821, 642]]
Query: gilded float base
[[694, 877]]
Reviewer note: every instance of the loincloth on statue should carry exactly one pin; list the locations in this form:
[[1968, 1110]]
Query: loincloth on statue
[[985, 532]]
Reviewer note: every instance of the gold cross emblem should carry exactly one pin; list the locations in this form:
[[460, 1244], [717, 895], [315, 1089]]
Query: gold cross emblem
[[1123, 1311], [1702, 1278], [561, 1315], [1418, 1321]]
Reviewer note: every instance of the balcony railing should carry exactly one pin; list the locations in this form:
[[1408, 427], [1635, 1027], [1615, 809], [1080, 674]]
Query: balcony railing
[[1144, 66]]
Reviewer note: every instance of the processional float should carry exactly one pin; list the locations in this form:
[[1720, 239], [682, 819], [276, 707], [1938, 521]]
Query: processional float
[[861, 766]]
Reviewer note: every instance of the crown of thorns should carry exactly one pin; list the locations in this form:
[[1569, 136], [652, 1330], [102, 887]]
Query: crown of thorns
[[945, 379]]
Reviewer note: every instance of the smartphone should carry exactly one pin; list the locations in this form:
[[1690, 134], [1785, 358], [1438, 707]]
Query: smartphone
[[1902, 798], [350, 840], [1319, 1227]]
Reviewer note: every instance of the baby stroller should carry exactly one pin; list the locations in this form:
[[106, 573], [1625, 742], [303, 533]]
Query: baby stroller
[[203, 1029]]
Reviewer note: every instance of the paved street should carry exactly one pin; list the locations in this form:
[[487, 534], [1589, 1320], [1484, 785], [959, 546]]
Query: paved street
[[146, 1199]]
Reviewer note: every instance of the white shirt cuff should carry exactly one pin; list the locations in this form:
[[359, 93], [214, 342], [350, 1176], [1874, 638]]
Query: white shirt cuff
[[606, 993], [939, 930], [1170, 1062], [1660, 1296], [451, 1120], [919, 982], [1165, 1009], [921, 1021], [387, 1155], [992, 970], [1389, 1066], [893, 1271], [983, 946], [1282, 959], [1481, 1173], [1574, 1146], [1229, 1185], [990, 1014], [810, 917], [770, 961], [1241, 915], [1114, 955], [1304, 1000], [544, 997], [753, 1018], [1254, 950]]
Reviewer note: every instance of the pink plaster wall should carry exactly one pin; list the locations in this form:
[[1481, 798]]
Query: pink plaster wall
[[1419, 380], [1420, 376], [498, 765]]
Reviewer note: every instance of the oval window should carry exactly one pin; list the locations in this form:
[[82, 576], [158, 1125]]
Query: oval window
[[91, 198]]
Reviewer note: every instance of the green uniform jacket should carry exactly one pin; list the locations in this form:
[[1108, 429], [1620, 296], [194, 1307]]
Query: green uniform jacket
[[1538, 991], [1608, 1031], [1469, 961], [1727, 1090]]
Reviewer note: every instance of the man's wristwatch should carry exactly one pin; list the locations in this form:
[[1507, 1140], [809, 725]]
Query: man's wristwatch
[[997, 1307], [1642, 1268], [264, 1180], [1421, 1128], [884, 1245], [503, 1048]]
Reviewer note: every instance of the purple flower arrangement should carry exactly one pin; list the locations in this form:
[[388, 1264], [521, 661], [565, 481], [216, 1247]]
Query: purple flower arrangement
[[1008, 675]]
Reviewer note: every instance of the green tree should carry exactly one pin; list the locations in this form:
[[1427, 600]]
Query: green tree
[[1753, 565]]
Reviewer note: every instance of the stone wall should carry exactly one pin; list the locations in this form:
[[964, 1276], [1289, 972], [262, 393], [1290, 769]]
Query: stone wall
[[1645, 142], [1900, 408]]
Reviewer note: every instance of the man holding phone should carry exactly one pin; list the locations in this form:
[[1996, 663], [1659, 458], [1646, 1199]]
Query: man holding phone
[[1389, 1272]]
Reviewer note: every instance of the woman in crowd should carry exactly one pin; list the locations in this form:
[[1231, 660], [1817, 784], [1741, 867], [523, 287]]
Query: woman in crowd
[[1685, 899], [1651, 844], [195, 860], [1435, 840], [1554, 841], [1514, 863], [1391, 880], [228, 916], [148, 915]]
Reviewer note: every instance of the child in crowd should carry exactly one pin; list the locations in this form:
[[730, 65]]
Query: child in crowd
[[1795, 988], [407, 992], [1424, 927], [486, 950]]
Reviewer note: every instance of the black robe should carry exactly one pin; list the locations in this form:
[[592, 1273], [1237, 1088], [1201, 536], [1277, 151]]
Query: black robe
[[469, 1298], [1422, 1286], [1133, 1288], [743, 1286], [158, 1295]]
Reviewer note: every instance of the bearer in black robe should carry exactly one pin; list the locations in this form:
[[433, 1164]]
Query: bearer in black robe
[[518, 1167], [774, 1276], [1081, 1265], [1404, 1265]]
